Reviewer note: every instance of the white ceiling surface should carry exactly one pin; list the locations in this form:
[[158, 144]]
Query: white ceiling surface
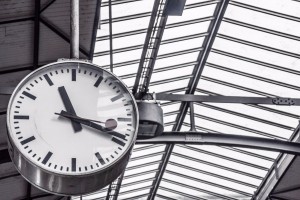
[[16, 52]]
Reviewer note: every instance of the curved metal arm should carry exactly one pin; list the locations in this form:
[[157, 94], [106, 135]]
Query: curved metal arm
[[224, 140]]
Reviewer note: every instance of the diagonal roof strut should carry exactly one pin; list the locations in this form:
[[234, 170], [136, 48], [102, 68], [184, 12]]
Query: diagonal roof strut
[[203, 55]]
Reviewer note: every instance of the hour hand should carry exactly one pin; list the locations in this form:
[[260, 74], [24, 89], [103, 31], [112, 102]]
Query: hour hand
[[89, 123], [69, 107]]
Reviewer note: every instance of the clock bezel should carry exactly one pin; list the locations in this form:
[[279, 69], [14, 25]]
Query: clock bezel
[[31, 171]]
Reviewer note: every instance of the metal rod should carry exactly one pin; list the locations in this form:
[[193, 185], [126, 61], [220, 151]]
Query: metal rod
[[74, 29], [16, 20], [110, 36], [224, 140], [36, 42], [95, 29], [228, 99], [202, 57], [192, 116], [60, 33], [145, 47]]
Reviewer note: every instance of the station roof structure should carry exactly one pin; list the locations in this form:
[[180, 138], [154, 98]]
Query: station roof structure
[[216, 48]]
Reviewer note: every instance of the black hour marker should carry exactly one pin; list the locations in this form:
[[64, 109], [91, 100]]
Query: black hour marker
[[122, 119], [29, 95], [118, 141], [116, 97], [21, 117], [28, 140], [99, 80], [73, 74], [48, 79], [47, 157], [73, 164], [100, 158]]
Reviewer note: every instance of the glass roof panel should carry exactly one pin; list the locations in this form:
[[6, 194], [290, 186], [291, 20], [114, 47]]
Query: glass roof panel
[[125, 9], [285, 7], [208, 189], [251, 56], [180, 46], [252, 17], [134, 194], [180, 59], [211, 167], [172, 73], [181, 31], [277, 73], [242, 121], [95, 195], [194, 13], [169, 84], [262, 38]]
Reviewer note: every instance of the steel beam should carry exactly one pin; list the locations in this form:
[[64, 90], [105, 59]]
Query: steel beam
[[281, 164], [47, 5], [61, 34], [146, 44], [74, 29], [203, 55], [95, 29], [227, 99], [118, 186], [4, 156], [232, 140], [290, 189], [36, 42], [28, 195], [16, 20], [111, 62]]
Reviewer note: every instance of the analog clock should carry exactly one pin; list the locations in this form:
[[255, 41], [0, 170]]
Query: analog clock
[[71, 127]]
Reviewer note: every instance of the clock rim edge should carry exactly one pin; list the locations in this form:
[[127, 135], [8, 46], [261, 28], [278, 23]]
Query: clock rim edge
[[14, 151]]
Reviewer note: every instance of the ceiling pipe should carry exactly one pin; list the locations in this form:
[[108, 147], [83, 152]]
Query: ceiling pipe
[[74, 29]]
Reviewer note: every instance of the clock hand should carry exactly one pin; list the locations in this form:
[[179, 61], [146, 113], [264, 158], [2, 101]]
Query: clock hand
[[65, 114], [69, 107], [87, 122]]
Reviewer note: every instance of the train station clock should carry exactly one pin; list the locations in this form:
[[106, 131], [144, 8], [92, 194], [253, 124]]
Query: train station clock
[[71, 127]]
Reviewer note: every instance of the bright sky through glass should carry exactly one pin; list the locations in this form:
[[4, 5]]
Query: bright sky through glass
[[255, 53]]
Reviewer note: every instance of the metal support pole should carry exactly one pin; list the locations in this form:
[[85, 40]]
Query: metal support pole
[[74, 29], [110, 36], [192, 116], [36, 34], [201, 138]]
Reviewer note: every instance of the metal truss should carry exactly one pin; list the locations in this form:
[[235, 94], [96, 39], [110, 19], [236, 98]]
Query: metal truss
[[151, 47], [200, 138], [281, 164], [227, 99], [4, 155], [203, 55]]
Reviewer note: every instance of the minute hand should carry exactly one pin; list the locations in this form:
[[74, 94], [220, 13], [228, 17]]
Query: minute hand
[[87, 122]]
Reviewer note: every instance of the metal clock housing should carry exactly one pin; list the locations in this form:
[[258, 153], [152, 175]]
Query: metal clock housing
[[71, 127]]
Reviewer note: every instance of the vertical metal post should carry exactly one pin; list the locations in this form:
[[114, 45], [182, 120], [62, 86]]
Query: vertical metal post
[[192, 116], [110, 36], [74, 29], [36, 34]]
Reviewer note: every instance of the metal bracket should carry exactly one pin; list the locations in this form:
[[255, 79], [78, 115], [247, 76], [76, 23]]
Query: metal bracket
[[73, 59], [283, 101], [193, 138]]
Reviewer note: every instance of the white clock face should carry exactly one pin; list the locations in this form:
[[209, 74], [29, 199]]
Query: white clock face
[[72, 118]]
